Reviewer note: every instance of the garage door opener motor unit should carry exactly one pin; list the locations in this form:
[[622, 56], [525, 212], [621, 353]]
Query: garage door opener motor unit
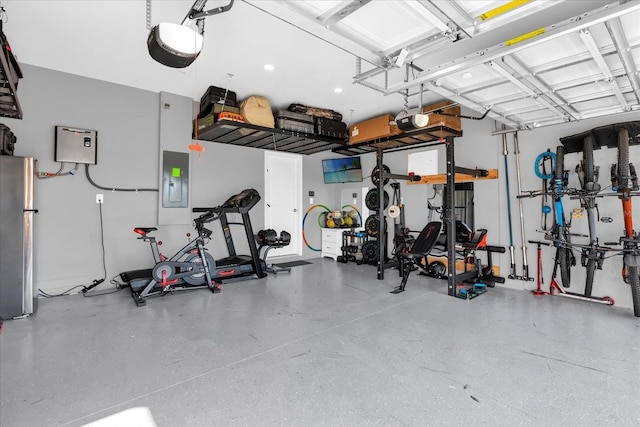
[[177, 45]]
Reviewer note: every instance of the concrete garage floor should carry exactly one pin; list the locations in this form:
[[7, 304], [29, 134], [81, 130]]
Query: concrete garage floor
[[326, 345]]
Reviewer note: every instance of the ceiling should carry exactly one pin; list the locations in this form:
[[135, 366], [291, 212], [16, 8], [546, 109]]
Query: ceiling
[[528, 63]]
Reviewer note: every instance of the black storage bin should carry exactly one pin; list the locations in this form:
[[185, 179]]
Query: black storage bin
[[214, 95]]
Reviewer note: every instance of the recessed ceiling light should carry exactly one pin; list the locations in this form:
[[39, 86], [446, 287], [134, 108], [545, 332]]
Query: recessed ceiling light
[[269, 67], [338, 90], [467, 75]]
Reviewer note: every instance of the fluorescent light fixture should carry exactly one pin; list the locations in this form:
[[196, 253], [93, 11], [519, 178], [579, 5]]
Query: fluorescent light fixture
[[338, 90], [269, 67], [467, 75]]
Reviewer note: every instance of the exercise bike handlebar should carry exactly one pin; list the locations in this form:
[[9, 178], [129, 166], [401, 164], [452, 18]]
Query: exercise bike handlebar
[[202, 230], [208, 216]]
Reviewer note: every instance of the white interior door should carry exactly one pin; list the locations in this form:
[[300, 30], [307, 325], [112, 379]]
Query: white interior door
[[283, 198]]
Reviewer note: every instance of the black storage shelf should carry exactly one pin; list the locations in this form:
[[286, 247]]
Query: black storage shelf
[[248, 135], [404, 140], [9, 75]]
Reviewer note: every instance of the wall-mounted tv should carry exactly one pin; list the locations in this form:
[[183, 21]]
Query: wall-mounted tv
[[341, 170]]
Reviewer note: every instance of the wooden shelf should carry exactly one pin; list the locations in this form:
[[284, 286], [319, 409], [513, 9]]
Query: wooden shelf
[[428, 136], [247, 135], [441, 178]]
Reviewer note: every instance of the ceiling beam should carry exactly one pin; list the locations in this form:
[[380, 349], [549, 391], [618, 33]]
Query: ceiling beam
[[544, 89], [624, 52], [500, 68], [546, 33], [592, 46], [333, 18]]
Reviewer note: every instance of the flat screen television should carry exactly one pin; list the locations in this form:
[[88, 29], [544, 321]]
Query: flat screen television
[[341, 170]]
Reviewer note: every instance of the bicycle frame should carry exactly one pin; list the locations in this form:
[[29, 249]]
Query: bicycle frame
[[620, 177], [560, 231], [630, 251], [592, 256]]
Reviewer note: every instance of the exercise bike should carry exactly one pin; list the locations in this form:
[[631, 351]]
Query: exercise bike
[[190, 268]]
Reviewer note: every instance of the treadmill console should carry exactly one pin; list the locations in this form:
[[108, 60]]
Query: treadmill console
[[245, 200]]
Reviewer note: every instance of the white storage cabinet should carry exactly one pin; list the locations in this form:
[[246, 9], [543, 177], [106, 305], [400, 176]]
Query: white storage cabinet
[[332, 242]]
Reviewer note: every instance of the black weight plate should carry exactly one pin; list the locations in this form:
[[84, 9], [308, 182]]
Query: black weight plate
[[371, 199], [375, 175], [370, 252], [371, 225]]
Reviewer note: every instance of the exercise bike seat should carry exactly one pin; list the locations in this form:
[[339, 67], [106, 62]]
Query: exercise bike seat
[[143, 231]]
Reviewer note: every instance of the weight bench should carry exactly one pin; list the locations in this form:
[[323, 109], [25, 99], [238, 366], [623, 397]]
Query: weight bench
[[419, 250], [269, 239]]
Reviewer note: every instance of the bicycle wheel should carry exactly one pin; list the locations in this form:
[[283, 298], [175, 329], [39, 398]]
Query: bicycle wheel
[[634, 281], [564, 259], [559, 170], [564, 253], [591, 269], [623, 158], [588, 184], [587, 160]]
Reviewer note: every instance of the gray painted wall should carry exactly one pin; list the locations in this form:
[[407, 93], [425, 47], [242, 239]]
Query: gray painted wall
[[127, 119], [68, 246]]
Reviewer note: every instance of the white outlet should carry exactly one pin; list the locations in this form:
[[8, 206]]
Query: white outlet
[[99, 198]]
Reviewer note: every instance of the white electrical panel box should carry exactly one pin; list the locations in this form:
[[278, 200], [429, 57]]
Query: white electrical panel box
[[76, 145]]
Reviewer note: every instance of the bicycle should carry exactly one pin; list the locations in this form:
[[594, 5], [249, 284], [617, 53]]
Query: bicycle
[[559, 233], [592, 255], [621, 174]]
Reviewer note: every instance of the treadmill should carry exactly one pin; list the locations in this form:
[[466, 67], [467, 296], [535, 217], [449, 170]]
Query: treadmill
[[237, 267]]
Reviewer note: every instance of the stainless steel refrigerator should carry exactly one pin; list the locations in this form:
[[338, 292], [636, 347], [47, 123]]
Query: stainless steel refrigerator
[[18, 287]]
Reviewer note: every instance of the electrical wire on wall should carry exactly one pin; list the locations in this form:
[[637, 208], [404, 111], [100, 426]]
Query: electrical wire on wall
[[104, 263], [86, 169], [84, 288], [59, 172]]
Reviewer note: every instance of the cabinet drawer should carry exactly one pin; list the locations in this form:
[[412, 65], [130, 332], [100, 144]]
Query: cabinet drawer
[[330, 248], [332, 235]]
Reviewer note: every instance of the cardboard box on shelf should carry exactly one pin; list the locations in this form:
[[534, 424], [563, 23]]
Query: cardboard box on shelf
[[377, 127], [443, 119]]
